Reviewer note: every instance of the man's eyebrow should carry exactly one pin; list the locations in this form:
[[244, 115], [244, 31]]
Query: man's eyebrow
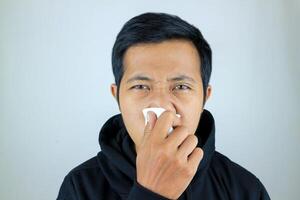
[[139, 78], [176, 78], [182, 78]]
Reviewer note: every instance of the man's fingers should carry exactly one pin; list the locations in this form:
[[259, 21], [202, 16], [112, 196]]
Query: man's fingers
[[151, 119], [178, 135], [188, 146], [195, 157], [166, 120]]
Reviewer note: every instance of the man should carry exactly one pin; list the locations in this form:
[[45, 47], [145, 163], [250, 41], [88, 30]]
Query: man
[[160, 60]]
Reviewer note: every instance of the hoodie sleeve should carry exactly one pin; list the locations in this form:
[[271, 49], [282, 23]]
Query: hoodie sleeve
[[138, 192]]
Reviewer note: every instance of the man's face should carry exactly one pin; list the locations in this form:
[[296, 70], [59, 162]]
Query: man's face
[[166, 75]]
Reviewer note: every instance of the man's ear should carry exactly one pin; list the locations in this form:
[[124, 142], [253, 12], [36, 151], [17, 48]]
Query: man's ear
[[208, 92], [113, 90]]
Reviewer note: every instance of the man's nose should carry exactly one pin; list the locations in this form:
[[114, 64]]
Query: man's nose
[[161, 98]]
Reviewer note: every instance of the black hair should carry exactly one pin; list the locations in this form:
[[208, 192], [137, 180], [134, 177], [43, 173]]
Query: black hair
[[155, 28]]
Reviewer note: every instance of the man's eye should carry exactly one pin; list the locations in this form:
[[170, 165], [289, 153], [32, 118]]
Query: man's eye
[[182, 87], [140, 87]]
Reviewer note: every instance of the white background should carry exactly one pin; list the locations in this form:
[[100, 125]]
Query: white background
[[55, 73]]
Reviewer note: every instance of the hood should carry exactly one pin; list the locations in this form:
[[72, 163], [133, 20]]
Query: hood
[[117, 156]]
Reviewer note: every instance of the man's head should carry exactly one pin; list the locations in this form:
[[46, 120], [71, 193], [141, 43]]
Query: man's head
[[159, 60]]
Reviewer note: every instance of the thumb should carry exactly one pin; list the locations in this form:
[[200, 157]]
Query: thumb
[[151, 118]]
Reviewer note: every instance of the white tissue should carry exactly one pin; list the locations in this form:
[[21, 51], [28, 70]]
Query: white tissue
[[158, 112]]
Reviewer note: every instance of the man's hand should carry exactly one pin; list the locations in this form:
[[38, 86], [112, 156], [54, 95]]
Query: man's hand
[[166, 165]]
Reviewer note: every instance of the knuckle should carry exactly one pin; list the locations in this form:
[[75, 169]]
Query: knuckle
[[163, 155], [188, 171], [182, 129], [178, 162], [168, 114], [168, 146], [200, 152], [147, 132], [193, 138]]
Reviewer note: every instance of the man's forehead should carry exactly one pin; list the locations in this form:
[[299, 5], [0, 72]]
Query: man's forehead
[[170, 50]]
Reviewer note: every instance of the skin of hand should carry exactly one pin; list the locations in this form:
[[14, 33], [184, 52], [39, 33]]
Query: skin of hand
[[167, 164]]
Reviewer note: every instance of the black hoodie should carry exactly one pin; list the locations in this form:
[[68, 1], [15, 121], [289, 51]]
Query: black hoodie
[[112, 173]]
